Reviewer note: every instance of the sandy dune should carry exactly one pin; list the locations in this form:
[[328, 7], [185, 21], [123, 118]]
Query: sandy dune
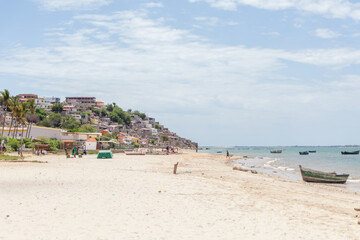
[[138, 197]]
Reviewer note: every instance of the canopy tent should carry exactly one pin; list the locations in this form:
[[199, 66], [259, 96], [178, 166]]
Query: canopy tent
[[104, 154]]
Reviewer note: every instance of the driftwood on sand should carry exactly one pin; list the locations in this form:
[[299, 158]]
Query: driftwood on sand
[[241, 168]]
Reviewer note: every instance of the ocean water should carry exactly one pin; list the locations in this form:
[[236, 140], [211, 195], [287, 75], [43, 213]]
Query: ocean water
[[287, 163]]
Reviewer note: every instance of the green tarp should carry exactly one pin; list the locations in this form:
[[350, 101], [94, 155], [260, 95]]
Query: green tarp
[[104, 154]]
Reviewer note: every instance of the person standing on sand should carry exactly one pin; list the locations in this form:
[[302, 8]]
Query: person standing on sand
[[227, 154]]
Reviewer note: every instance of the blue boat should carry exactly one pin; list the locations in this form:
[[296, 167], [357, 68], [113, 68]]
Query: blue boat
[[304, 153]]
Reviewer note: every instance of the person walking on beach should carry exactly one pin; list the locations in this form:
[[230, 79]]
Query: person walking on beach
[[227, 154]]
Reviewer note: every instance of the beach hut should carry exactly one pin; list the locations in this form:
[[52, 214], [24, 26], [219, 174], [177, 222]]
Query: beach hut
[[67, 144], [104, 154], [91, 144]]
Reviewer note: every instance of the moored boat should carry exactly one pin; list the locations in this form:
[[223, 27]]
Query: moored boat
[[312, 151], [350, 153], [304, 153], [310, 175], [276, 151]]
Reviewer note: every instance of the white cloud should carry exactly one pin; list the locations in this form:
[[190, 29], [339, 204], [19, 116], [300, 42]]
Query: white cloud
[[143, 63], [329, 8], [55, 5], [154, 5], [326, 33], [273, 34], [211, 21]]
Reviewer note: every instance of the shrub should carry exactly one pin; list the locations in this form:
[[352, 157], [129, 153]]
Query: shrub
[[14, 144], [54, 144]]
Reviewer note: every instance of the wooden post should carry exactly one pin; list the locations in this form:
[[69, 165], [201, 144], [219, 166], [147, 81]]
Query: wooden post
[[175, 167]]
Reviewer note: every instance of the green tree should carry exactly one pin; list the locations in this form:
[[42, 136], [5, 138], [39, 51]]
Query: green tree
[[152, 141], [5, 97], [45, 123], [141, 115], [31, 117], [13, 103], [104, 112], [20, 112], [55, 119], [41, 113], [124, 116], [14, 144], [164, 138], [87, 128], [110, 107], [57, 108], [69, 122], [54, 144], [115, 118]]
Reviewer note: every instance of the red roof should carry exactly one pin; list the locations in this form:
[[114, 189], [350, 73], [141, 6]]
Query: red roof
[[91, 140]]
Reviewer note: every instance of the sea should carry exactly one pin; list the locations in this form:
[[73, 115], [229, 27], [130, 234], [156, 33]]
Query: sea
[[286, 164]]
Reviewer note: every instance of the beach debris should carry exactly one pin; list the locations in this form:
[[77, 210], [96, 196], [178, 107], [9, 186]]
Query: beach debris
[[240, 168], [175, 167], [188, 171], [357, 209], [159, 191]]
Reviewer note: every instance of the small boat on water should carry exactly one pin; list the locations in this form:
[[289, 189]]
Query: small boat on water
[[304, 153], [219, 152], [309, 175], [350, 153], [276, 151], [312, 151]]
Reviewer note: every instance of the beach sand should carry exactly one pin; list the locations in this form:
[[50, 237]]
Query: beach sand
[[138, 197]]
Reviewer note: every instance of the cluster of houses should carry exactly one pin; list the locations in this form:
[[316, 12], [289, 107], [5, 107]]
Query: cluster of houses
[[145, 132]]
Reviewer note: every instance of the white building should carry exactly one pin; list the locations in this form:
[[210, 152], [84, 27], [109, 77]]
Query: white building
[[91, 144]]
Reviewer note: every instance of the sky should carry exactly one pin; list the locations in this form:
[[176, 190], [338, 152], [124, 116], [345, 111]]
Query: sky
[[219, 72]]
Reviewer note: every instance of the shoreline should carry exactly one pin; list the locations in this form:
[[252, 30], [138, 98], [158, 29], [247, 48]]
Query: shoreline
[[138, 197], [264, 164]]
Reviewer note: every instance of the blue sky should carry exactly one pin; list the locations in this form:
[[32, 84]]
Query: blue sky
[[220, 72]]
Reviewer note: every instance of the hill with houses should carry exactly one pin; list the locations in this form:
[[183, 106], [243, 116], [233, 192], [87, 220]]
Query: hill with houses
[[81, 118]]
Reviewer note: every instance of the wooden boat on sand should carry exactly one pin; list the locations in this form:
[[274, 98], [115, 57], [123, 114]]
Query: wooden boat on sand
[[276, 151], [310, 175], [134, 153], [350, 153]]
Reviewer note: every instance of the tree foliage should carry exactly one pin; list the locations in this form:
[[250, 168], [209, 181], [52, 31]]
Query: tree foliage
[[164, 138], [69, 123], [141, 115], [57, 108], [41, 113], [55, 119], [87, 129]]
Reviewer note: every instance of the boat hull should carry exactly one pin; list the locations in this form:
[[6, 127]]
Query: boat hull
[[304, 153], [310, 175], [276, 151], [350, 153]]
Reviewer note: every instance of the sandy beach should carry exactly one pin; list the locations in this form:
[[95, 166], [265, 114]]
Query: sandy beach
[[138, 197]]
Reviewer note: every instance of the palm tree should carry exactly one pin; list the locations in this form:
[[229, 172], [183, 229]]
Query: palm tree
[[31, 110], [20, 111], [13, 103], [5, 97]]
